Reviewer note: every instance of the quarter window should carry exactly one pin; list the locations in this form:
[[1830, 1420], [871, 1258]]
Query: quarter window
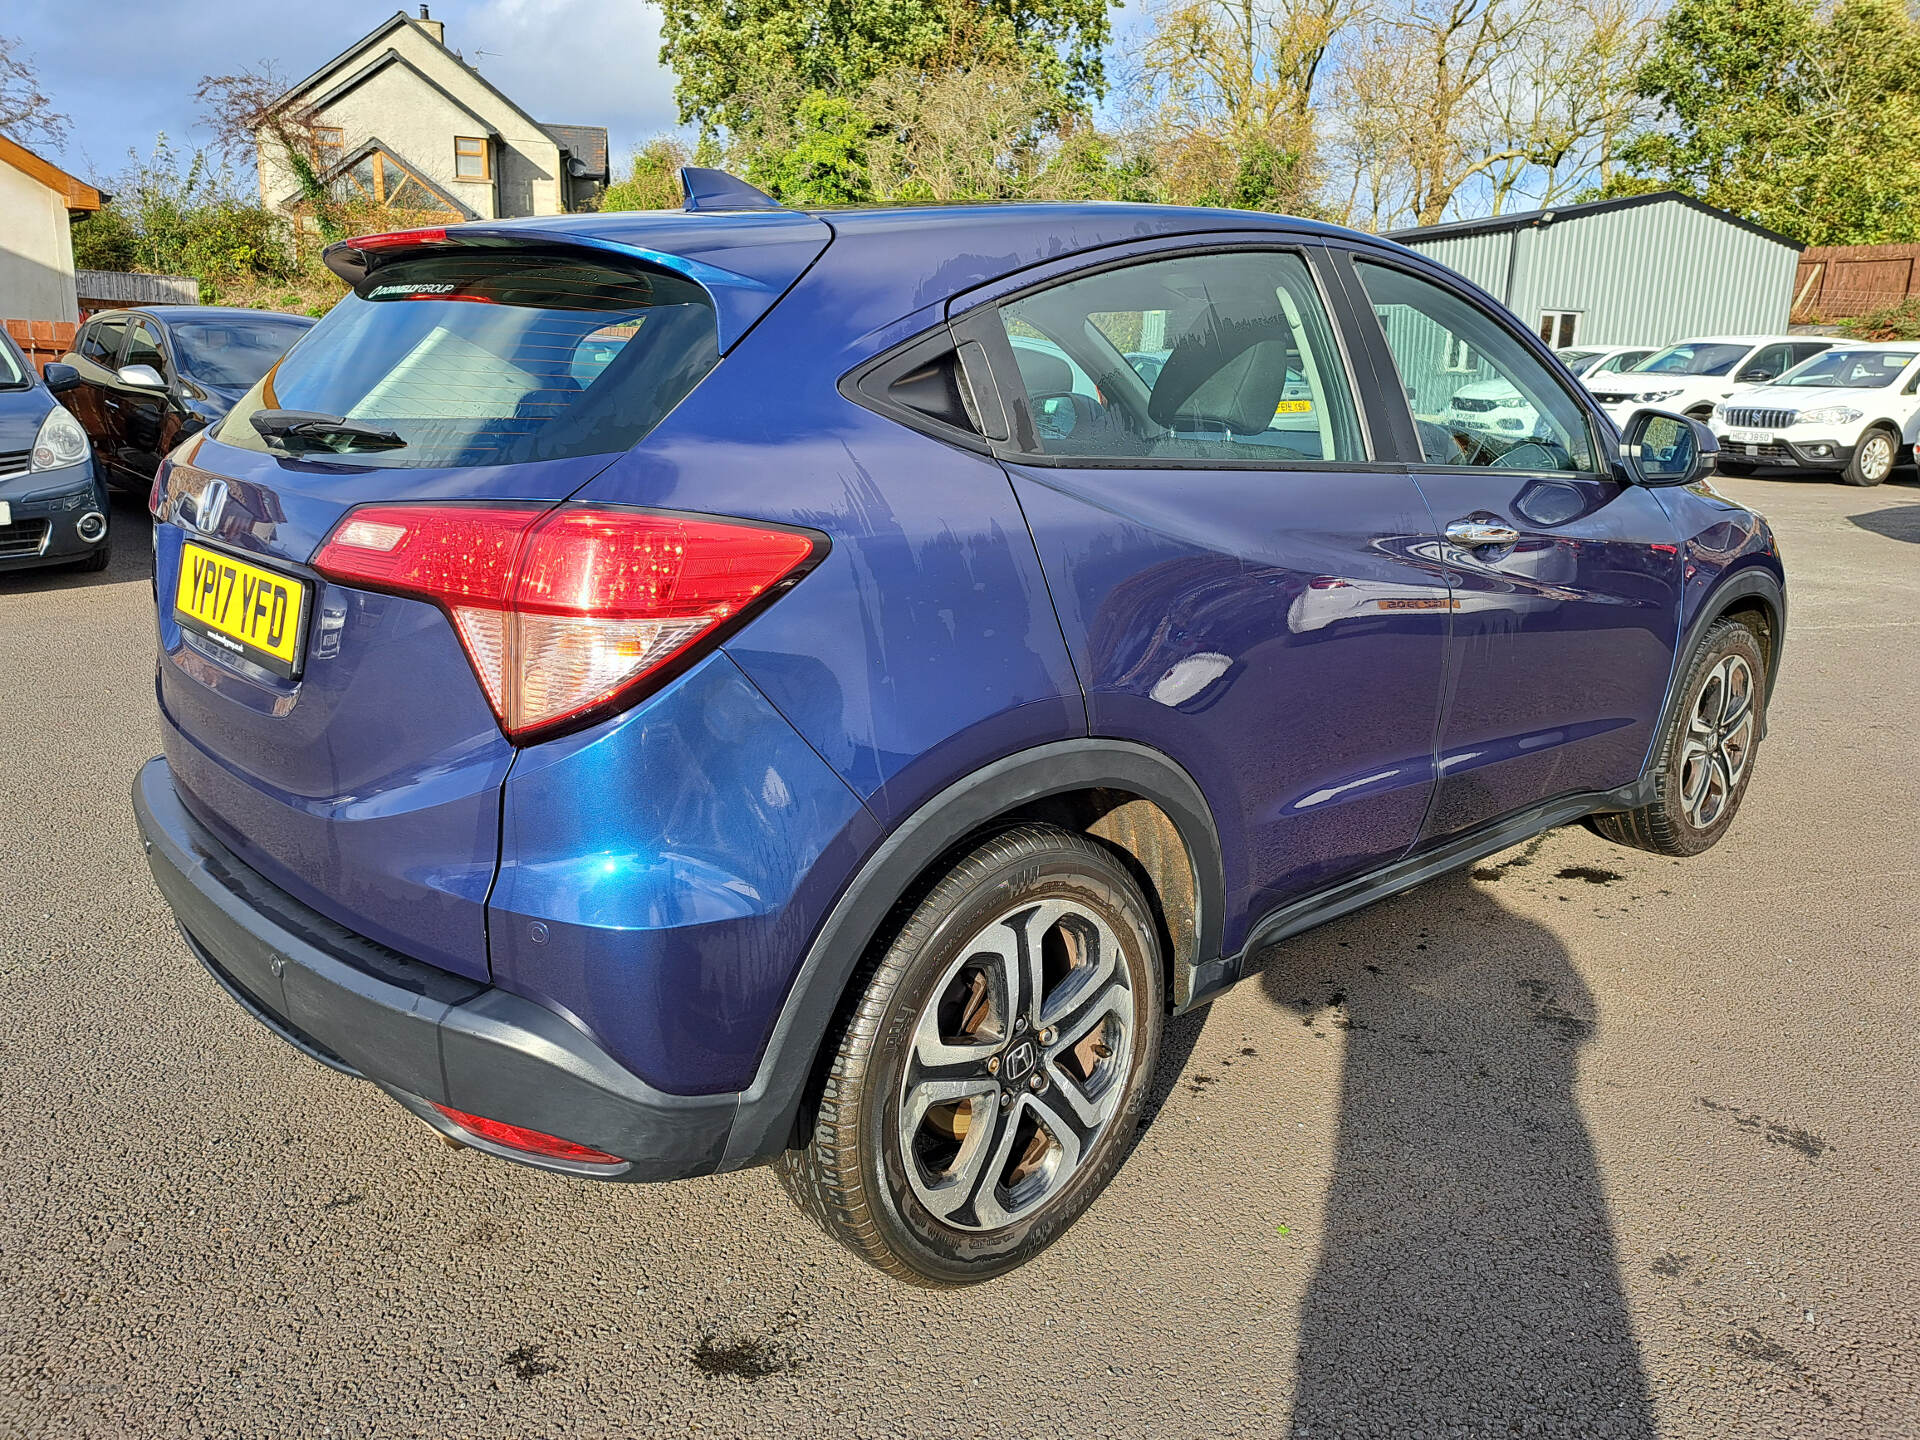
[[1505, 410], [470, 158], [1222, 357], [145, 348]]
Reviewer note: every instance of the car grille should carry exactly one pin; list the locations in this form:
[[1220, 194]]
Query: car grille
[[1733, 449], [14, 462], [1748, 419], [23, 537], [1462, 402]]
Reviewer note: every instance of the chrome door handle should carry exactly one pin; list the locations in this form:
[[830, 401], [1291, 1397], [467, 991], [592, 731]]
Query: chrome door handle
[[1473, 534]]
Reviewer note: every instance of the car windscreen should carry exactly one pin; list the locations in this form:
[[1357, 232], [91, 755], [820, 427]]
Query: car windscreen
[[13, 375], [495, 358], [232, 354], [1578, 360], [1689, 359], [1850, 369]]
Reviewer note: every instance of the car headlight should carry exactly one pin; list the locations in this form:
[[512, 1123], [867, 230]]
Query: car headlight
[[1827, 415], [1653, 397], [60, 442]]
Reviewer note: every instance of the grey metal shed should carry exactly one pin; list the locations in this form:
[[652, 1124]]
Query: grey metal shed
[[1644, 270]]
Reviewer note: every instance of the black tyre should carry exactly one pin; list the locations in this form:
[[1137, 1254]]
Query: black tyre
[[98, 560], [1706, 757], [1873, 458], [990, 1075]]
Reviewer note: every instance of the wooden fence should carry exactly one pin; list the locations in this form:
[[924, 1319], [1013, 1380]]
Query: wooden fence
[[1836, 281]]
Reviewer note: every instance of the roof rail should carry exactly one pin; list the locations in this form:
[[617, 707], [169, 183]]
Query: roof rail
[[717, 190]]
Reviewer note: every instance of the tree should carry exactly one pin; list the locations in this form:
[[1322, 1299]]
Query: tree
[[1802, 121], [653, 178], [247, 112], [27, 115], [732, 56]]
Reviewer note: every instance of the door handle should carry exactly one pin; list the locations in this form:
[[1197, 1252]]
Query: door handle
[[1474, 534]]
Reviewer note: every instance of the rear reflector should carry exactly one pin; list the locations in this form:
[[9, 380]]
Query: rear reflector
[[532, 1142], [570, 613]]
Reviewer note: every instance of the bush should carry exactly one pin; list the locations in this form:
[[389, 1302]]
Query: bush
[[1899, 321]]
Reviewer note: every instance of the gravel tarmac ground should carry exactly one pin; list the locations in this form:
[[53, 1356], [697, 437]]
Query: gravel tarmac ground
[[1581, 1142]]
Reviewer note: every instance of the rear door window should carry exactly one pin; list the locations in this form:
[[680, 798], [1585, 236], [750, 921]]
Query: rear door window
[[1200, 358], [102, 341], [495, 359]]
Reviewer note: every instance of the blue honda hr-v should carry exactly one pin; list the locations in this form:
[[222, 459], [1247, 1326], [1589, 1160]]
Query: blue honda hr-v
[[663, 692]]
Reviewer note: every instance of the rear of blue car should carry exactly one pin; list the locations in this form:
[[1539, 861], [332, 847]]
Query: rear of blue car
[[400, 662]]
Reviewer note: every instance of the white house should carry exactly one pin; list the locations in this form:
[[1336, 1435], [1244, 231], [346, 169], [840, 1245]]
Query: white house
[[400, 120]]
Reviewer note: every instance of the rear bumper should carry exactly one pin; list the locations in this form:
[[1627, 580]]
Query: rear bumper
[[421, 1033]]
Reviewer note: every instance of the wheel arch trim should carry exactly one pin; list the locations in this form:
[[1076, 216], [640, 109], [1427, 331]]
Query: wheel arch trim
[[1754, 580], [770, 1107]]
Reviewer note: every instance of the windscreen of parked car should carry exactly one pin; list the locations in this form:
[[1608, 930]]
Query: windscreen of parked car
[[13, 376], [232, 354], [1850, 369], [496, 358], [1578, 360], [1694, 359]]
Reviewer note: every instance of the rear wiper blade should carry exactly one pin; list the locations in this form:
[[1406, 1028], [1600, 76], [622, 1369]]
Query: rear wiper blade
[[315, 430]]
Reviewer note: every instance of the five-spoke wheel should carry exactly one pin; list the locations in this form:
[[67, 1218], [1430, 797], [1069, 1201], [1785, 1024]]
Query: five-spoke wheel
[[989, 1080]]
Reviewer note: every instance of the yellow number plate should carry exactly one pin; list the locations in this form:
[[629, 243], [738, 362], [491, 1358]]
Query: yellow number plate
[[1294, 407], [241, 608]]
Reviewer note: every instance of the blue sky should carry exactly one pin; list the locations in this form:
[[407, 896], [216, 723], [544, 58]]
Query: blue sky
[[124, 70]]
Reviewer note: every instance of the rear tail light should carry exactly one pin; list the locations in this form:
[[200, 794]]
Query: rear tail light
[[530, 1142], [568, 614]]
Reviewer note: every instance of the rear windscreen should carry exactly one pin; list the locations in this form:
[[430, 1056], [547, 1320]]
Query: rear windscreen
[[495, 359]]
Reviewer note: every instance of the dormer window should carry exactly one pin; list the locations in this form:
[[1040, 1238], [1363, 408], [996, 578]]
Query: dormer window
[[470, 158]]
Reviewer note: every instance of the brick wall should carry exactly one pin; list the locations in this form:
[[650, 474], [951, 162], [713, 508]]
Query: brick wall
[[43, 340]]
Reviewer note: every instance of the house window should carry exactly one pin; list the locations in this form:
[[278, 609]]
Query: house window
[[1461, 359], [328, 142], [470, 158], [1559, 327]]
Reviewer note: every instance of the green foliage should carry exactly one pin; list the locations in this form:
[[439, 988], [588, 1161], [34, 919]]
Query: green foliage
[[1899, 321], [653, 179], [732, 55], [821, 158], [171, 215], [1807, 121]]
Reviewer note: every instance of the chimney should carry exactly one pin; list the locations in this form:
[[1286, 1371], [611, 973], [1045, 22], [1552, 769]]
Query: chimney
[[432, 26]]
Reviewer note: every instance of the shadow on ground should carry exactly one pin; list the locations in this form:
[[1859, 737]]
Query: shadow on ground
[[1467, 1282], [1896, 522]]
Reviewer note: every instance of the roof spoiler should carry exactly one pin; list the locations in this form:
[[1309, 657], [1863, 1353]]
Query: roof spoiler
[[717, 190]]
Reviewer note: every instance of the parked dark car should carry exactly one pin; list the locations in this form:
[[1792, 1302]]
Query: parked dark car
[[648, 692], [53, 508], [151, 378]]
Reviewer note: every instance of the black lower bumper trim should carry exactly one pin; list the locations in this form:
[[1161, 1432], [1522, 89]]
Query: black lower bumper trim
[[409, 1027]]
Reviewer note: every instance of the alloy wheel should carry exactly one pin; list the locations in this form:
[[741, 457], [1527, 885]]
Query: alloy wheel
[[1718, 743], [1876, 457], [1018, 1064]]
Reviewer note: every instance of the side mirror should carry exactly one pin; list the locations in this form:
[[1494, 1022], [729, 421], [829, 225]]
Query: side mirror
[[60, 378], [1756, 375], [1058, 417], [1664, 449], [142, 377]]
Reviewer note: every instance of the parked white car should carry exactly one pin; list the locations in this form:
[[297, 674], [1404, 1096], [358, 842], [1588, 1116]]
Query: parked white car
[[1691, 377], [1855, 410], [1591, 363]]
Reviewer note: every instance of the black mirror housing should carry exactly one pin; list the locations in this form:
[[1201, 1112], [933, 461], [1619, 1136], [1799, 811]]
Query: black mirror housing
[[60, 378], [1661, 448]]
